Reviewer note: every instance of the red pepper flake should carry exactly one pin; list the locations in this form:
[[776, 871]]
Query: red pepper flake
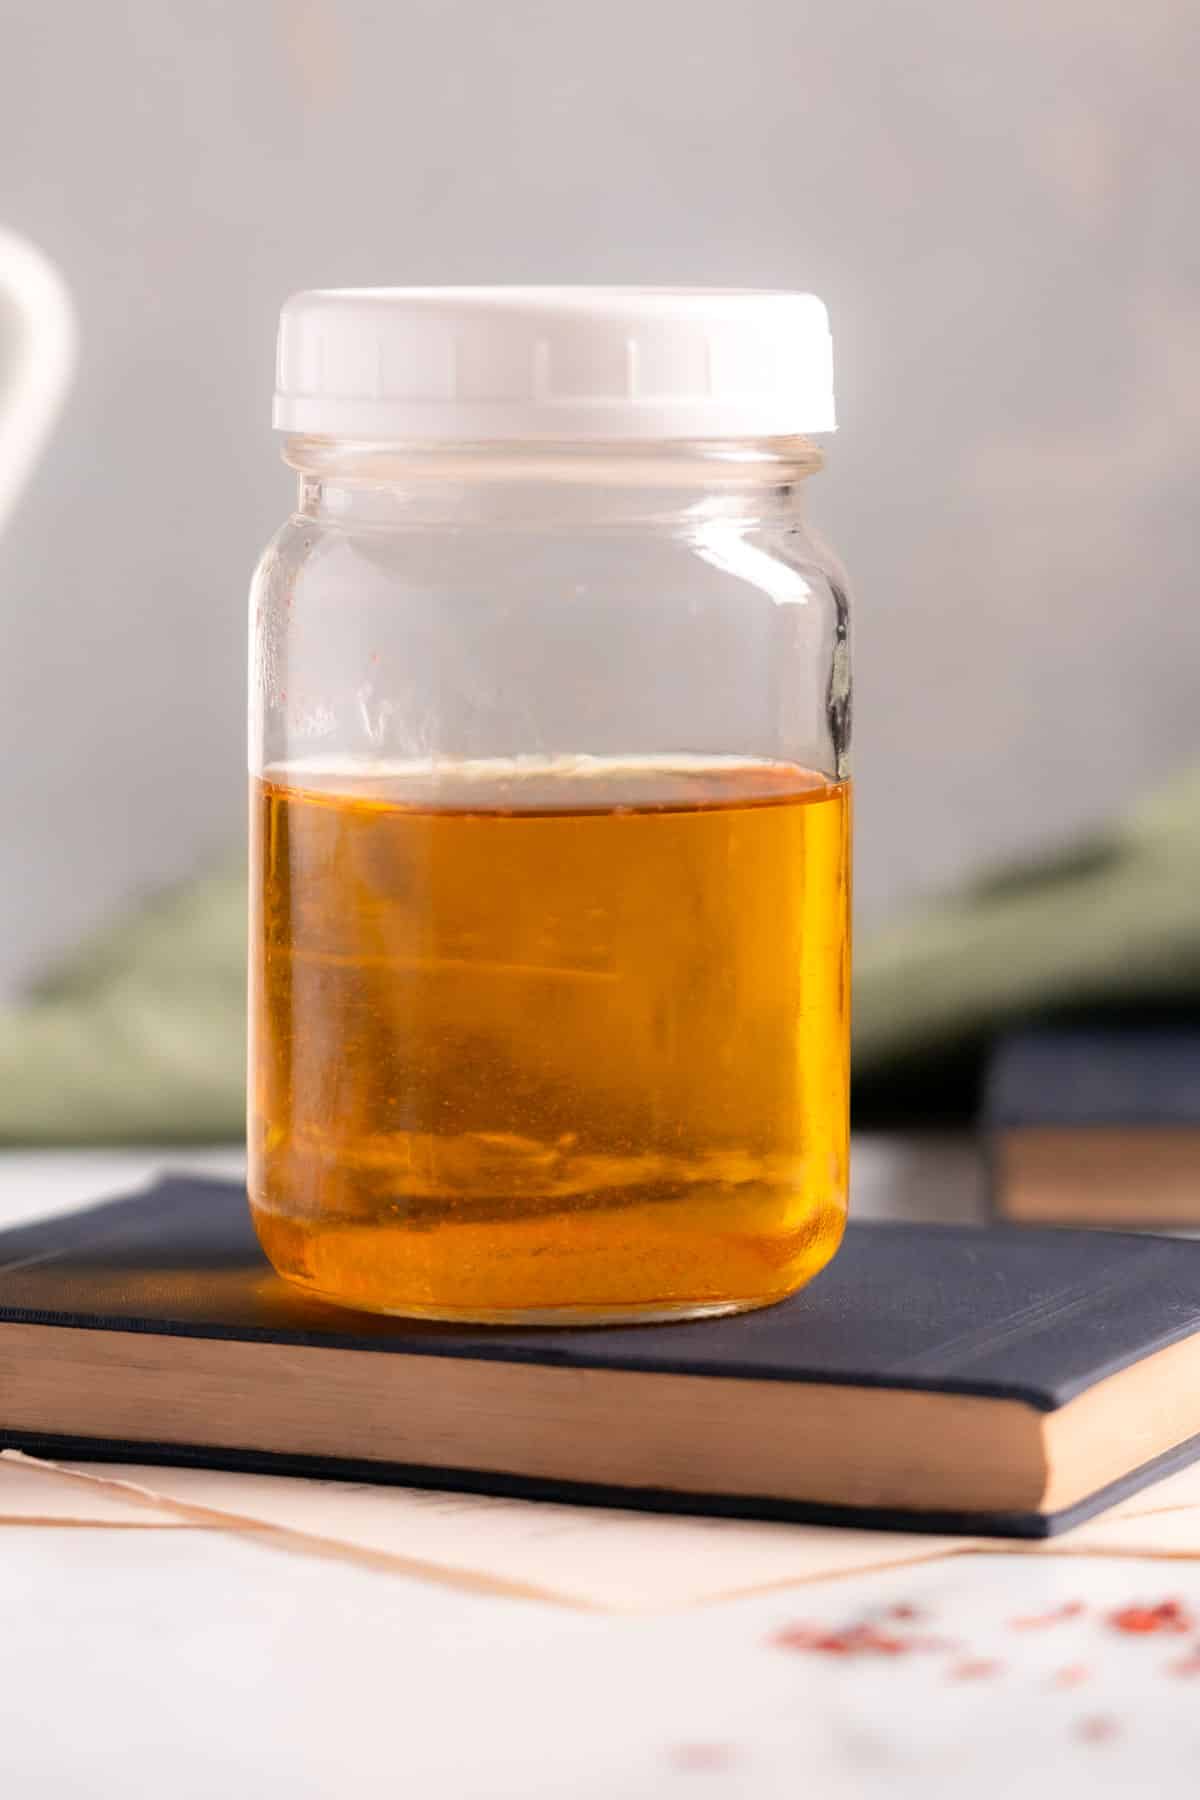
[[1187, 1665], [977, 1668], [1169, 1616], [1070, 1609], [1073, 1676], [904, 1610], [846, 1640], [1100, 1728], [864, 1639], [702, 1756]]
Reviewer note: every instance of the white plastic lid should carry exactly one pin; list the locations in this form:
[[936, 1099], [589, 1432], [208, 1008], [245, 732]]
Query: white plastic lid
[[490, 364]]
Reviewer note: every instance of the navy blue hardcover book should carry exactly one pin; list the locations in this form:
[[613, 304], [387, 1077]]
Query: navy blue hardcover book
[[935, 1377], [1096, 1127]]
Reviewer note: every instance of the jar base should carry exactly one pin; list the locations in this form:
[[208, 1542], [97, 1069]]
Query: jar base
[[511, 1278], [658, 1313]]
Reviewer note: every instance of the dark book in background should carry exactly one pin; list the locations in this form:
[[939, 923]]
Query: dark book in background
[[1097, 1127], [938, 1377]]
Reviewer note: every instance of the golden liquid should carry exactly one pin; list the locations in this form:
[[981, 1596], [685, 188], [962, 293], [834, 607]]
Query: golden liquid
[[569, 1044]]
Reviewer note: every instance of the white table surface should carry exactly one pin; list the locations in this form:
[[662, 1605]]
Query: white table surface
[[203, 1663]]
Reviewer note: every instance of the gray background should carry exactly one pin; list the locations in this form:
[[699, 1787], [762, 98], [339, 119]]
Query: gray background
[[995, 201]]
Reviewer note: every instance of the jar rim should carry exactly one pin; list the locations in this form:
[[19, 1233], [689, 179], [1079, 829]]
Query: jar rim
[[738, 460]]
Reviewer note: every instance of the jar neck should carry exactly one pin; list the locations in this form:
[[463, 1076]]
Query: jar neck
[[544, 485]]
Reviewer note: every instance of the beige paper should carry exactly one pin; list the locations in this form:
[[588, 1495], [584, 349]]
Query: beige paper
[[1169, 1534], [584, 1556], [593, 1557], [32, 1494]]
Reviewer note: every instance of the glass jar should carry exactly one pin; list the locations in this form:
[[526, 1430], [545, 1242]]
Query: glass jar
[[550, 822]]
